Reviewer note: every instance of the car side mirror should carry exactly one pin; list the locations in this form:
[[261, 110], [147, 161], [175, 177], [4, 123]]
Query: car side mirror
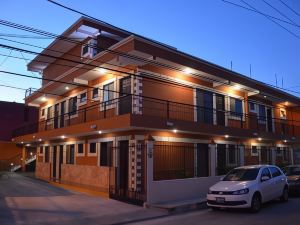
[[264, 178]]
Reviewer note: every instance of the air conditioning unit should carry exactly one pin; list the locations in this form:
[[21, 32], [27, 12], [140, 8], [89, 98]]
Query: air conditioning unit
[[89, 50]]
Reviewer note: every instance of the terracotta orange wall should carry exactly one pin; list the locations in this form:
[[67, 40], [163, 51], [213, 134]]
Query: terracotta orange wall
[[9, 150]]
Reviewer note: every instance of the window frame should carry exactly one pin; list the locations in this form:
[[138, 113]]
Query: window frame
[[234, 114], [69, 160], [89, 148], [257, 150], [73, 114], [83, 149]]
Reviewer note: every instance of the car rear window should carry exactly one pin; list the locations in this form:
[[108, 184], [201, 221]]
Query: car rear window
[[242, 174]]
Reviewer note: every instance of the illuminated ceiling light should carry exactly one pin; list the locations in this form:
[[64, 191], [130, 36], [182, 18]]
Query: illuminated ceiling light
[[44, 99], [28, 145], [226, 136], [99, 132], [265, 96], [67, 88], [285, 141], [187, 70], [31, 153], [259, 139], [102, 70], [286, 103], [63, 137], [175, 130], [33, 136], [236, 87], [40, 139], [22, 142], [11, 164]]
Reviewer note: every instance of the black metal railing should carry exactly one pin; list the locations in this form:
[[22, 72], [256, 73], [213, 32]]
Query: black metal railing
[[169, 110]]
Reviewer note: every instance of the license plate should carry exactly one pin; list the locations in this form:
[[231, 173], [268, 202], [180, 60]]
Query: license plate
[[220, 200]]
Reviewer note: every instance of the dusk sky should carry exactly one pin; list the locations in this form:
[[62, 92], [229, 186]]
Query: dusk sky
[[209, 29]]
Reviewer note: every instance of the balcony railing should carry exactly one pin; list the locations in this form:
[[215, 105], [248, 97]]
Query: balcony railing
[[169, 110]]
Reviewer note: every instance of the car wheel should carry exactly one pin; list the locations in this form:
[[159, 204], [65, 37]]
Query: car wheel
[[255, 203], [285, 195]]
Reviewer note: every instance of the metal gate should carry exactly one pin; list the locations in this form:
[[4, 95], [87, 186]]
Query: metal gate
[[127, 173]]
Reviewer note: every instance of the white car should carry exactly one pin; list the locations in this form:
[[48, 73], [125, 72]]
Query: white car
[[248, 187]]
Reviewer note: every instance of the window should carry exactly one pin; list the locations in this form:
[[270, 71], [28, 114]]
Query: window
[[262, 113], [95, 93], [70, 154], [41, 150], [49, 112], [93, 148], [236, 107], [108, 92], [241, 175], [275, 172], [266, 173], [43, 113], [254, 151], [47, 154], [82, 97], [251, 107], [105, 154], [282, 114], [80, 148], [85, 49], [73, 106], [232, 154]]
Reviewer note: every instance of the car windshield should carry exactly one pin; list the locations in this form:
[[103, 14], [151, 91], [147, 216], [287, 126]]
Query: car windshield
[[292, 170], [242, 174]]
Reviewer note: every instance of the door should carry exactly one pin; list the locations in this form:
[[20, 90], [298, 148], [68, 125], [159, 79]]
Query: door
[[123, 166], [60, 160], [62, 114], [220, 107], [269, 120], [279, 181], [56, 116], [125, 99], [204, 106], [202, 160], [221, 159], [54, 168], [266, 186], [265, 155]]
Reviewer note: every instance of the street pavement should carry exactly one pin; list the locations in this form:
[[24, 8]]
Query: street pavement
[[27, 201]]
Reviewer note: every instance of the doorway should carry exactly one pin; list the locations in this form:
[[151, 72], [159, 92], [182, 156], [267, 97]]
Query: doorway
[[125, 99], [220, 107], [202, 160]]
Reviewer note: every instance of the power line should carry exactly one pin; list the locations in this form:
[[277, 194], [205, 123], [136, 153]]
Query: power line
[[278, 24], [4, 60], [261, 13], [277, 10], [30, 29], [290, 8]]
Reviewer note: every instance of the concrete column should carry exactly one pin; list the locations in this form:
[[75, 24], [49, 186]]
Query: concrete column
[[273, 155], [241, 149], [149, 141], [23, 159], [212, 159]]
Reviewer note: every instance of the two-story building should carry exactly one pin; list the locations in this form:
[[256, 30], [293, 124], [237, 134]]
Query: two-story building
[[145, 122]]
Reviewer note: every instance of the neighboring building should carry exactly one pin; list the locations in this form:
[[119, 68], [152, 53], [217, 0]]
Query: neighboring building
[[12, 116], [158, 125]]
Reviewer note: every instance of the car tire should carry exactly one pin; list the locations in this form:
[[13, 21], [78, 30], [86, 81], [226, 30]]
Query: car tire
[[285, 195], [256, 203]]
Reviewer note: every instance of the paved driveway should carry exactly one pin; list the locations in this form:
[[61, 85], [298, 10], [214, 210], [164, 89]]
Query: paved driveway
[[24, 200]]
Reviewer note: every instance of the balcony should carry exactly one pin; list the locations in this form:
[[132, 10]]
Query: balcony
[[150, 110]]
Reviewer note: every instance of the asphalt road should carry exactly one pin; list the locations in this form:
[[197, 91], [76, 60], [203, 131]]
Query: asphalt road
[[273, 213], [27, 201]]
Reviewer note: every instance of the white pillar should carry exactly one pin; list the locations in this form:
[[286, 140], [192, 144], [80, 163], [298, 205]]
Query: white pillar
[[149, 175], [273, 155], [212, 159], [241, 149]]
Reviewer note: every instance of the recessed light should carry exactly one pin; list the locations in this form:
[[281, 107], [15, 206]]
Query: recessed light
[[102, 70], [259, 139], [265, 96], [226, 136], [285, 141], [22, 142], [40, 139], [187, 70], [236, 87], [175, 130], [63, 137], [44, 99], [99, 132], [67, 88]]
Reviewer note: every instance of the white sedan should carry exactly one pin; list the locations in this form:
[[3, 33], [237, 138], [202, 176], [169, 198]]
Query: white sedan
[[248, 187]]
